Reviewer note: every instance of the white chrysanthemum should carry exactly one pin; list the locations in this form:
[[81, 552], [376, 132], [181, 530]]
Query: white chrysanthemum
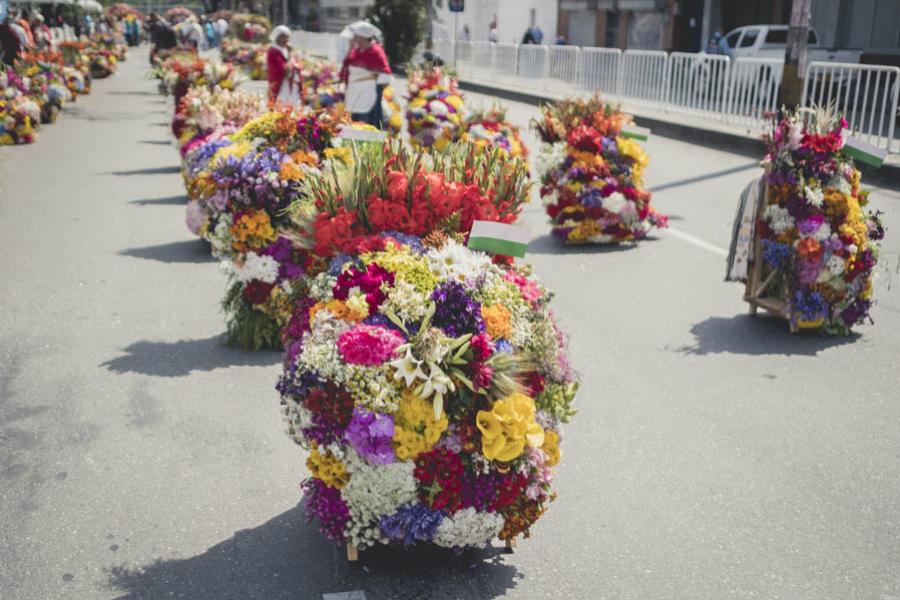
[[614, 203], [549, 156], [321, 285], [406, 301], [814, 196], [835, 265], [220, 239], [822, 233], [255, 266], [468, 527], [795, 134], [455, 261], [840, 184], [779, 218], [372, 492]]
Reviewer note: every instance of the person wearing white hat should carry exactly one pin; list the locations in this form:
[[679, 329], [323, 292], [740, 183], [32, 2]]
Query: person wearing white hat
[[277, 59], [366, 73]]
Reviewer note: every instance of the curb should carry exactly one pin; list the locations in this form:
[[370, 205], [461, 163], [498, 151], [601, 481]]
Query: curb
[[887, 176]]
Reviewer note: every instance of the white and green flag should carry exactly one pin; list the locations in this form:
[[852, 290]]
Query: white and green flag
[[499, 238], [864, 151], [634, 132]]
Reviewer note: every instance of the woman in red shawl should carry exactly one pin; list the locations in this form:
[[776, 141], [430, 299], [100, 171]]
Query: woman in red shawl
[[277, 61], [366, 73]]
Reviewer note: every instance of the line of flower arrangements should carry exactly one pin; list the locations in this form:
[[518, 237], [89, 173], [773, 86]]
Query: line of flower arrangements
[[428, 382], [34, 89]]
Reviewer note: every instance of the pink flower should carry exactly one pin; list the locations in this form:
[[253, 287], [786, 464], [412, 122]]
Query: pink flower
[[529, 289], [369, 345]]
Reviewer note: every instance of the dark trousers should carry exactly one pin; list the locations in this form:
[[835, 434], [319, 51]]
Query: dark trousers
[[375, 116]]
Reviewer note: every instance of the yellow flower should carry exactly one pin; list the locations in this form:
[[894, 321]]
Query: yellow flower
[[327, 467], [341, 154], [496, 320], [551, 448], [415, 428], [508, 427]]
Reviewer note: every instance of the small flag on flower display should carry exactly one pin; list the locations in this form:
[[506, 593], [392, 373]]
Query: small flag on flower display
[[353, 134], [632, 131], [864, 151], [499, 238]]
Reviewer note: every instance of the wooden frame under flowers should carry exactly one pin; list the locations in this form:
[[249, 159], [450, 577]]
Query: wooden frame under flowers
[[353, 551], [761, 277]]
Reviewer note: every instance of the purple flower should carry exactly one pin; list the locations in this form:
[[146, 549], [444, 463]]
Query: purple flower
[[412, 523], [810, 305], [777, 255], [371, 435], [455, 311], [810, 225], [283, 251], [325, 504]]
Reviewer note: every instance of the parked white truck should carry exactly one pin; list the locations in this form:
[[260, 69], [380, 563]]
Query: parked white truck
[[768, 41]]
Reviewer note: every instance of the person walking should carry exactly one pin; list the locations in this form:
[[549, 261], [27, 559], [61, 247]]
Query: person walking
[[537, 34], [277, 63], [10, 42], [366, 73], [493, 34]]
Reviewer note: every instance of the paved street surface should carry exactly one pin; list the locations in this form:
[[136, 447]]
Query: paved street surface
[[715, 455]]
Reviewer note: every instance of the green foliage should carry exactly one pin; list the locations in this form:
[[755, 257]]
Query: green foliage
[[403, 24], [248, 328]]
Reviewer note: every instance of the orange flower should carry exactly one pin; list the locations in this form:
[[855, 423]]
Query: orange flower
[[496, 320], [809, 248]]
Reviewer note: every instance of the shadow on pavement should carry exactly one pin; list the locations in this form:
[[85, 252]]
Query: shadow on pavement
[[155, 142], [133, 93], [148, 171], [186, 251], [287, 558], [549, 244], [179, 200], [704, 177], [764, 334], [179, 358]]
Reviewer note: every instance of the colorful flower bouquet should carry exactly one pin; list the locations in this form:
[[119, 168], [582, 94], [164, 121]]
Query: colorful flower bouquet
[[490, 128], [591, 175], [428, 382], [179, 73], [815, 232], [319, 82], [202, 111], [391, 111], [19, 113], [238, 204], [434, 109], [248, 56]]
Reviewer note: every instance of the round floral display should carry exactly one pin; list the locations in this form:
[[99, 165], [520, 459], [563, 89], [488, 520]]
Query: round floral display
[[429, 385]]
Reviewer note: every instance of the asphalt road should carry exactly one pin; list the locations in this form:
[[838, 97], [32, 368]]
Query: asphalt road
[[715, 455]]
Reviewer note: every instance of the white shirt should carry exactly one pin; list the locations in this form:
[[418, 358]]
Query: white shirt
[[222, 27]]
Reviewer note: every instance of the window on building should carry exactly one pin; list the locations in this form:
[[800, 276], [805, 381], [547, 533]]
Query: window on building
[[354, 12], [749, 38], [811, 37], [331, 12], [611, 39]]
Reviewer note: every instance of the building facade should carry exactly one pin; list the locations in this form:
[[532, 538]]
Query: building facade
[[872, 26], [512, 19], [334, 15]]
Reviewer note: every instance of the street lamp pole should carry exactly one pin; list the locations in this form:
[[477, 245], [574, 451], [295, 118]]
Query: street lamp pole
[[795, 55]]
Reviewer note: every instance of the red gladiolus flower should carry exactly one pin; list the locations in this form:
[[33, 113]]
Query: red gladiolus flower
[[257, 292]]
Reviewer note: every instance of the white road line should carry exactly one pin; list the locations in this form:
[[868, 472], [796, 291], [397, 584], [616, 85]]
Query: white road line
[[354, 595], [690, 239]]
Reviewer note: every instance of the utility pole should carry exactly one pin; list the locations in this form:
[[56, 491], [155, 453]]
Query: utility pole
[[795, 54], [429, 19]]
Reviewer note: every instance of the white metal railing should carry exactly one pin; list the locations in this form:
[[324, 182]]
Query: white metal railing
[[866, 94], [738, 91]]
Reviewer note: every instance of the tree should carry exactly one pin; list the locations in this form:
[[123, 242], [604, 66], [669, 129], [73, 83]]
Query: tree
[[403, 23]]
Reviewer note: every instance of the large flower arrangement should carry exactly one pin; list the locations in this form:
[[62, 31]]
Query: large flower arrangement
[[19, 113], [428, 383], [248, 56], [319, 82], [391, 111], [591, 175], [434, 109], [490, 128], [815, 231], [249, 180], [201, 111], [179, 73]]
